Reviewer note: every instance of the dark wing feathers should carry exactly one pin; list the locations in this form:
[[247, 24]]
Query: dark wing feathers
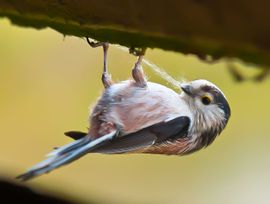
[[127, 143], [170, 130], [158, 133], [155, 134]]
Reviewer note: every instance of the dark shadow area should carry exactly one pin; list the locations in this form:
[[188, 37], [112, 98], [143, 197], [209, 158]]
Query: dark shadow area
[[15, 193]]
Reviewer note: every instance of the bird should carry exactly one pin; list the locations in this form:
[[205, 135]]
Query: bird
[[139, 116]]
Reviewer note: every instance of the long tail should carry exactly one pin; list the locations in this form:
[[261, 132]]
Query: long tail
[[65, 155]]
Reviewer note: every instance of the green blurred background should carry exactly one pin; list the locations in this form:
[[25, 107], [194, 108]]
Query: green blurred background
[[47, 82]]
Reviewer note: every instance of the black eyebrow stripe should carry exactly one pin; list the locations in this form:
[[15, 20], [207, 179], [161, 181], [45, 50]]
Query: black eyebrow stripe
[[206, 88], [210, 89]]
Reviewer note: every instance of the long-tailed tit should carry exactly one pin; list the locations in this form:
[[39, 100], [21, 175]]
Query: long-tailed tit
[[137, 116]]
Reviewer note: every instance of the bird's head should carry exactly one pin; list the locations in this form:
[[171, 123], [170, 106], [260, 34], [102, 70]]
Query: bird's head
[[209, 107]]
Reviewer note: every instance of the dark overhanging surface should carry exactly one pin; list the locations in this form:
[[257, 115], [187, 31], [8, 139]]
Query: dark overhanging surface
[[224, 28]]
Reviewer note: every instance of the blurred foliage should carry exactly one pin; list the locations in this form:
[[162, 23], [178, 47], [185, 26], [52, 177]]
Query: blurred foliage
[[47, 82]]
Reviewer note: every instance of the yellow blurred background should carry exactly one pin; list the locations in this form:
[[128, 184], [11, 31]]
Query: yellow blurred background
[[47, 82]]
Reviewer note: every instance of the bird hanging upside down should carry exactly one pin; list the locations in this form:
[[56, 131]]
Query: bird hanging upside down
[[137, 116]]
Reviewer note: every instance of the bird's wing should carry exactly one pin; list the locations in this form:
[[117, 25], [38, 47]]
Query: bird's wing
[[155, 134], [110, 143]]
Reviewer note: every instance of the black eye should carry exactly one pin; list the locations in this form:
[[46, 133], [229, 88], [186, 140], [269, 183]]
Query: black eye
[[206, 100]]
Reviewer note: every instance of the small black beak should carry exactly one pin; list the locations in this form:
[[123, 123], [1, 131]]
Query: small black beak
[[187, 88]]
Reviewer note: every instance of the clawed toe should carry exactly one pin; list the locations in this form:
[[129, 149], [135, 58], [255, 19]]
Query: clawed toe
[[137, 51]]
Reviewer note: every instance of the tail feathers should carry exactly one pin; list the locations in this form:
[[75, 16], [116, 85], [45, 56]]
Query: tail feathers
[[65, 155]]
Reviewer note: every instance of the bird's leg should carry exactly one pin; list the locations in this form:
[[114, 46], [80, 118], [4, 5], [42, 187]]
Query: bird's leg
[[106, 77], [137, 71]]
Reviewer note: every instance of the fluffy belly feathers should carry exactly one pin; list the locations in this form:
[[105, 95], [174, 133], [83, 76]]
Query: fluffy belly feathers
[[130, 108]]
